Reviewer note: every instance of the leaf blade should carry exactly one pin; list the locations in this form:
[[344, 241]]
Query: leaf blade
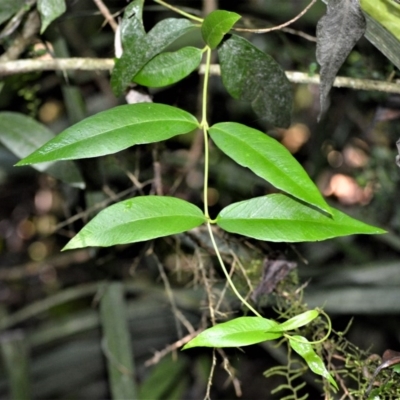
[[337, 33], [251, 75], [138, 219], [268, 159], [168, 68], [280, 218], [132, 23], [242, 331], [113, 130], [216, 25], [49, 11], [304, 349], [144, 48], [14, 129], [299, 320]]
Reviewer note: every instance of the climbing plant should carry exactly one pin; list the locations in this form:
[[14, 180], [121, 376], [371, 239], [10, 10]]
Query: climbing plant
[[297, 212]]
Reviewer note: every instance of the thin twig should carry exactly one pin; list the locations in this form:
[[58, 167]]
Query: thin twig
[[56, 64], [340, 81], [210, 376], [170, 348], [106, 14], [300, 33], [276, 28], [179, 317], [231, 372], [100, 64], [95, 207]]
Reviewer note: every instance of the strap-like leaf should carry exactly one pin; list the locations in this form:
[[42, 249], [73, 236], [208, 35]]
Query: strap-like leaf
[[386, 12], [144, 48], [337, 33], [242, 331], [280, 218], [299, 320], [22, 135], [168, 68], [301, 346], [268, 159], [136, 220], [251, 75], [113, 130], [216, 25]]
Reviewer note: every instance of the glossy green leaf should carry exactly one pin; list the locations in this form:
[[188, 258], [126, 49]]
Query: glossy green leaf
[[22, 135], [251, 75], [168, 68], [50, 10], [268, 159], [299, 320], [301, 346], [139, 52], [136, 220], [242, 331], [113, 130], [216, 25], [280, 218]]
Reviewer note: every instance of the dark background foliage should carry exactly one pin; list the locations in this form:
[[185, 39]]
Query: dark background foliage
[[350, 153]]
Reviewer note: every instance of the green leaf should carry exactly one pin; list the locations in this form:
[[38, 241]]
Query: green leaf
[[216, 25], [238, 332], [113, 130], [49, 11], [136, 220], [280, 218], [132, 23], [163, 377], [383, 40], [168, 68], [251, 75], [268, 159], [22, 135], [139, 52], [9, 8], [301, 346], [299, 320], [386, 12]]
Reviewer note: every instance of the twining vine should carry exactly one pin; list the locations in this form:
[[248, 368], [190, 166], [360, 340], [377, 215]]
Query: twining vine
[[297, 213]]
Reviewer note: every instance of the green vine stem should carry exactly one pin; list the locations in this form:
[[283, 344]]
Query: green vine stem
[[204, 126], [228, 278], [177, 10], [287, 336]]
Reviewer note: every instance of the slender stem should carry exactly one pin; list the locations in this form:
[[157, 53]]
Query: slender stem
[[106, 14], [288, 336], [275, 28], [204, 125], [179, 11], [228, 278]]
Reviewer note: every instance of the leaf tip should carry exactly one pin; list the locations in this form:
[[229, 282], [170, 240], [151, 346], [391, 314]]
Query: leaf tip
[[74, 243]]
